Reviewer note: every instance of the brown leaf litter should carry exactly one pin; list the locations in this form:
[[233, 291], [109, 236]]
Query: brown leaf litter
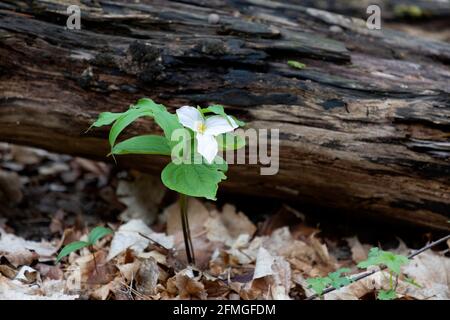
[[145, 258]]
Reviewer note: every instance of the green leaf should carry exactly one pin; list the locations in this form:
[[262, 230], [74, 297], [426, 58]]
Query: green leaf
[[106, 118], [144, 107], [337, 281], [296, 64], [219, 164], [238, 122], [71, 247], [230, 141], [168, 122], [124, 121], [149, 104], [219, 110], [216, 109], [145, 144], [379, 257], [97, 233], [318, 284], [196, 180], [386, 295]]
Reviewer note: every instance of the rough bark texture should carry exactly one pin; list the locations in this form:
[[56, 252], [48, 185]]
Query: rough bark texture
[[364, 127]]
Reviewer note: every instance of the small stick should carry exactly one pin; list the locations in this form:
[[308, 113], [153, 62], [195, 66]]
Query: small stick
[[369, 273]]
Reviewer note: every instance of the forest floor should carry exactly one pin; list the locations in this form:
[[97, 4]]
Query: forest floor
[[245, 248]]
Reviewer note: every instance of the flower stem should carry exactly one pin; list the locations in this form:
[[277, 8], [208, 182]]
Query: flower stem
[[186, 231]]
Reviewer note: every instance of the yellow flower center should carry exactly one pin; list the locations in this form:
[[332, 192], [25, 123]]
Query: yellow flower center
[[201, 127]]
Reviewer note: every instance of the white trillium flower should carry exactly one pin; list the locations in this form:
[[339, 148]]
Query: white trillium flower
[[206, 129]]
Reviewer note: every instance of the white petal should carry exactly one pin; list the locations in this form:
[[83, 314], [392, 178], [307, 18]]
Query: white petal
[[189, 117], [207, 146], [216, 125]]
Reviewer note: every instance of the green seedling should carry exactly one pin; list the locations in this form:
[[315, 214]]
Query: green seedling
[[96, 234]]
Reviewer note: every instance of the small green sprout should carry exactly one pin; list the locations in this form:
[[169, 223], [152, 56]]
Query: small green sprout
[[296, 64], [379, 257], [96, 234], [386, 294], [393, 262], [334, 279]]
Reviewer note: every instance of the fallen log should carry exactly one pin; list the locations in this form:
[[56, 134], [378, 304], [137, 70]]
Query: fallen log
[[364, 127]]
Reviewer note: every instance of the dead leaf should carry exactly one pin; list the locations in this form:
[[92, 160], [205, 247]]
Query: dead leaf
[[49, 271], [129, 270], [227, 226], [27, 274], [264, 262], [19, 251], [129, 236], [103, 292], [197, 214], [142, 198], [188, 286], [276, 272], [147, 277], [321, 249], [49, 290], [7, 271], [432, 271], [359, 251]]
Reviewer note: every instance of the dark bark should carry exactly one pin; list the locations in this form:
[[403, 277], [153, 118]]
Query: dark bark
[[364, 127]]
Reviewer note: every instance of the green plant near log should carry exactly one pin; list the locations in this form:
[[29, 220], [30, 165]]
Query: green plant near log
[[192, 138]]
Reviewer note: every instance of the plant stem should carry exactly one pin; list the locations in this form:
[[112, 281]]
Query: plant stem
[[91, 248], [186, 231], [369, 273], [391, 284]]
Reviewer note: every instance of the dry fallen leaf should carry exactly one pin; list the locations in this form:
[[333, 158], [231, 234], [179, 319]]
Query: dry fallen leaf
[[130, 234], [189, 286], [271, 278], [359, 251], [147, 277], [48, 290], [264, 262], [431, 271], [142, 198], [19, 251], [27, 274], [197, 214], [227, 226]]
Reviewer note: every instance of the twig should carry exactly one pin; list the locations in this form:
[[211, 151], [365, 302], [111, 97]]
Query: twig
[[156, 243], [369, 273]]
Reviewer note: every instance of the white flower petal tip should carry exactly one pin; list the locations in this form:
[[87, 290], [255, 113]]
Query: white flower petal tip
[[207, 146], [216, 125], [189, 117]]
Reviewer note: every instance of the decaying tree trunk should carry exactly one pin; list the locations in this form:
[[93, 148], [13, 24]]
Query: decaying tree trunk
[[364, 127]]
